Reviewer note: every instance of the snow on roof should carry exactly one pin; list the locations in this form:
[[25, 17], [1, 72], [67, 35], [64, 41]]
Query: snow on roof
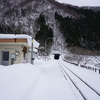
[[11, 36], [20, 36]]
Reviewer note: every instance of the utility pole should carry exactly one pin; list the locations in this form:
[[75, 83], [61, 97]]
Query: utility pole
[[32, 51], [32, 58]]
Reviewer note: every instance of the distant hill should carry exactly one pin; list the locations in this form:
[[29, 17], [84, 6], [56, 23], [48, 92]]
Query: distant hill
[[68, 25]]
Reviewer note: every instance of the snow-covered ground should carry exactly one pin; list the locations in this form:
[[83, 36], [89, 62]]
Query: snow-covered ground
[[43, 81]]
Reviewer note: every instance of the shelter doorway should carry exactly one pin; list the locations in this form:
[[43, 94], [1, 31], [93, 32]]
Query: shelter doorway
[[5, 58]]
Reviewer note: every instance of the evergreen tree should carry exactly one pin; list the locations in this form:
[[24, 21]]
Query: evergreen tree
[[82, 32], [44, 32]]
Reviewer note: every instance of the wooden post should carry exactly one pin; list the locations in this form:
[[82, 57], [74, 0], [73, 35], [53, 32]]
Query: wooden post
[[99, 71]]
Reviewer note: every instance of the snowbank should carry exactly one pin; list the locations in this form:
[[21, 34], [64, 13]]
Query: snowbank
[[45, 81], [16, 80]]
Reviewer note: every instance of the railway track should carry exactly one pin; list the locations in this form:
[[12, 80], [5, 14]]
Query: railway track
[[87, 92]]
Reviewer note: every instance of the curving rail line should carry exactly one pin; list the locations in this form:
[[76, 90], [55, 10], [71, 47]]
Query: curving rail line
[[65, 70]]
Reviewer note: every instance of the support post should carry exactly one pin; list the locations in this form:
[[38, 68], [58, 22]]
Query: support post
[[32, 59]]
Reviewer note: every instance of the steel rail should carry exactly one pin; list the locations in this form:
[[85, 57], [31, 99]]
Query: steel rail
[[62, 69], [83, 81]]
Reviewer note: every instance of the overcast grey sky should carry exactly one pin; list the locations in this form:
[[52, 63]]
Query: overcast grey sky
[[81, 2]]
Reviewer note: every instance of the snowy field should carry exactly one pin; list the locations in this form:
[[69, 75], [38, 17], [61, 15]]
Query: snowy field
[[44, 81]]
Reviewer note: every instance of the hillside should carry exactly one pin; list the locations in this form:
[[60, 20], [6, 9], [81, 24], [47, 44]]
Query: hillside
[[64, 24]]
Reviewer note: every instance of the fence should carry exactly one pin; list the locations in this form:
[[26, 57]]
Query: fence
[[87, 67]]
